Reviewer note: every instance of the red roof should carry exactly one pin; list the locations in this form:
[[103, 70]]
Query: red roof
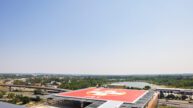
[[123, 95]]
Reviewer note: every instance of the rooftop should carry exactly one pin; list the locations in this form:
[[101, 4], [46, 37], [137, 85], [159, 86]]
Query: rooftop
[[106, 94], [99, 97]]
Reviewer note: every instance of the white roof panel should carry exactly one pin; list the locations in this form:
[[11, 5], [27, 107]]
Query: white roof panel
[[111, 104]]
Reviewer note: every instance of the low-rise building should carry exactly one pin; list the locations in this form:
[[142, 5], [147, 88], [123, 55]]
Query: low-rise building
[[108, 98]]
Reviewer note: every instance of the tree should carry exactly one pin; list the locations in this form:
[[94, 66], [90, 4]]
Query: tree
[[170, 96], [38, 98], [11, 95], [161, 96], [19, 82], [184, 97], [147, 88], [38, 92]]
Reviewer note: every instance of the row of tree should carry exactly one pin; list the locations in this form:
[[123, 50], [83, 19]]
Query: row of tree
[[74, 84], [18, 99], [184, 81]]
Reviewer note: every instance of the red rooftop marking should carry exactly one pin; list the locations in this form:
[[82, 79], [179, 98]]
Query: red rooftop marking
[[123, 95]]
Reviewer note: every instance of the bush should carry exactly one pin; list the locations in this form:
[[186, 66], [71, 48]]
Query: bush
[[25, 100], [38, 92], [20, 99], [170, 96], [1, 95], [36, 99]]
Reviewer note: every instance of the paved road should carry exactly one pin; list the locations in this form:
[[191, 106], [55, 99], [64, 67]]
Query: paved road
[[36, 87], [175, 103], [7, 105]]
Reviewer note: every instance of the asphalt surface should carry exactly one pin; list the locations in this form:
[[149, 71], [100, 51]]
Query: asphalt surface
[[176, 103], [7, 105]]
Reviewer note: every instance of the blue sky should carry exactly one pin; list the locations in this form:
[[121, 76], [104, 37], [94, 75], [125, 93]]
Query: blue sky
[[96, 37]]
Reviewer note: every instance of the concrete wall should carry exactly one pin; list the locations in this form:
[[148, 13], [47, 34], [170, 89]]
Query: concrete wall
[[153, 103]]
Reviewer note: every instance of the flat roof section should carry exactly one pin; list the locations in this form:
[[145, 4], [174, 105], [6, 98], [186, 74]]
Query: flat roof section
[[106, 94], [111, 104]]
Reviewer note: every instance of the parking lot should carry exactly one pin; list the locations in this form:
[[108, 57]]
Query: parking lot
[[176, 103]]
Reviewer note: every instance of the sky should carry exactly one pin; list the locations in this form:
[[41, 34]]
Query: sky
[[96, 36]]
